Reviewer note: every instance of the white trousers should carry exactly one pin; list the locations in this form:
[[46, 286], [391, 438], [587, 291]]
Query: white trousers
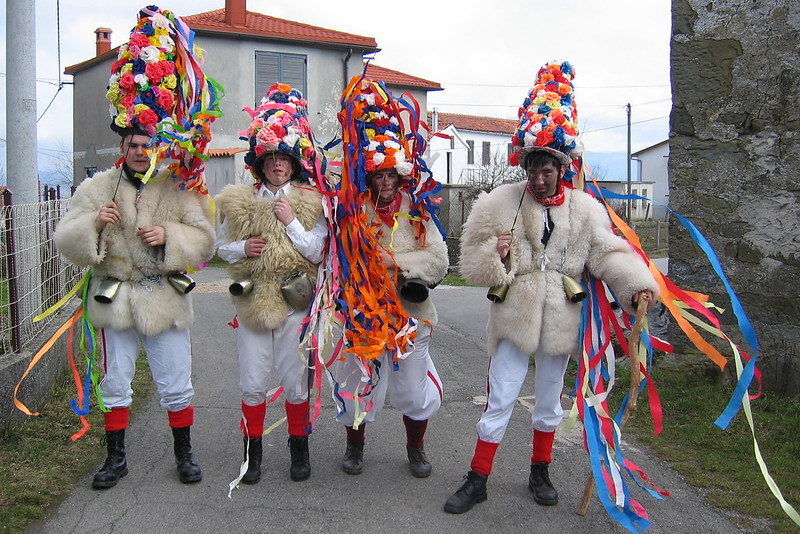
[[169, 355], [264, 356], [507, 370], [414, 388]]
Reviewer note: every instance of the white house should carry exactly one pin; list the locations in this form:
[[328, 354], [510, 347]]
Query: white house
[[246, 52], [653, 167], [475, 145]]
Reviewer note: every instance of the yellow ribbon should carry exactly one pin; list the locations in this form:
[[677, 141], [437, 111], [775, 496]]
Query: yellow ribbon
[[71, 293], [396, 225]]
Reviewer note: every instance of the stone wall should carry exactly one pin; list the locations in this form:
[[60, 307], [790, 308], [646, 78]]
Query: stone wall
[[735, 165]]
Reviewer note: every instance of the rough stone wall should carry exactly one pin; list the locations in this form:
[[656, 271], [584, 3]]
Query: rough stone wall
[[735, 164]]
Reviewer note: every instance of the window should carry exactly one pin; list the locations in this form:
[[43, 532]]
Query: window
[[470, 152], [487, 152], [510, 149], [275, 67], [449, 167]]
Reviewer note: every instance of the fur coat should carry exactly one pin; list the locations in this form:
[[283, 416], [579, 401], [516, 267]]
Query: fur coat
[[428, 264], [117, 252], [250, 215], [536, 315]]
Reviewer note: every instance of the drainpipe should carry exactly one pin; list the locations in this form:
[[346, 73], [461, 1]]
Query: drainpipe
[[345, 73]]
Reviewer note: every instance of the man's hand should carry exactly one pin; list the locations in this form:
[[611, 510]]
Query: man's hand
[[283, 211], [504, 244], [108, 214], [646, 297], [254, 246], [388, 259], [152, 236]]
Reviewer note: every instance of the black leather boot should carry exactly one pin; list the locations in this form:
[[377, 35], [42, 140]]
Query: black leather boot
[[539, 483], [256, 452], [301, 465], [470, 493], [352, 463], [115, 466], [418, 462], [188, 470]]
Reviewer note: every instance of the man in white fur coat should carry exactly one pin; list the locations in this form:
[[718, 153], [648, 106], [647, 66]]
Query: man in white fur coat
[[528, 235], [270, 230], [139, 234], [141, 227]]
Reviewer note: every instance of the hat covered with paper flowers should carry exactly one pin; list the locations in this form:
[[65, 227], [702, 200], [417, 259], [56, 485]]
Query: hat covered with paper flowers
[[548, 118], [381, 135], [280, 124], [158, 88]]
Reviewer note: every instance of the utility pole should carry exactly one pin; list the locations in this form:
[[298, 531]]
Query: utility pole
[[628, 161], [21, 100]]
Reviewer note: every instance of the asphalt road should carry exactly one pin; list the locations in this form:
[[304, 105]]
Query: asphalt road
[[385, 498]]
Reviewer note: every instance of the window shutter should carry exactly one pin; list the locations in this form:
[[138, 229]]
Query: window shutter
[[267, 72], [487, 153], [470, 152], [293, 71]]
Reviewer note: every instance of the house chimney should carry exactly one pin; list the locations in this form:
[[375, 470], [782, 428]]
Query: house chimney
[[235, 12], [103, 40]]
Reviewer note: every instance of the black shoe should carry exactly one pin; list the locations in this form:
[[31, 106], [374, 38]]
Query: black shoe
[[188, 470], [301, 465], [470, 493], [253, 474], [539, 483], [418, 462], [115, 466], [352, 463]]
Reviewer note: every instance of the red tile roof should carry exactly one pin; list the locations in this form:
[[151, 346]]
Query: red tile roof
[[257, 25], [265, 26], [394, 77], [475, 123], [224, 152]]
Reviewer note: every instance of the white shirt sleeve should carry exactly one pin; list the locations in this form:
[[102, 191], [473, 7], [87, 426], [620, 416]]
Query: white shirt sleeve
[[309, 243], [230, 252]]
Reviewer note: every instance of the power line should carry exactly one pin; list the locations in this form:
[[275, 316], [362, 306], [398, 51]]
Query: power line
[[621, 125], [577, 86]]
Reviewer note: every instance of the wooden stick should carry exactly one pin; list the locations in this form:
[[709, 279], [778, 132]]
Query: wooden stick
[[633, 394]]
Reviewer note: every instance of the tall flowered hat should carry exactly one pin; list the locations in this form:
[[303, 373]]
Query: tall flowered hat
[[157, 87], [548, 118], [280, 124], [381, 136]]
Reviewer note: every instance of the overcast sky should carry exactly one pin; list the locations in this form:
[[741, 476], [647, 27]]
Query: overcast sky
[[485, 55]]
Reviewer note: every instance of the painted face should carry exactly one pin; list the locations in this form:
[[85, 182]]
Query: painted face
[[134, 148], [384, 185], [544, 179], [277, 169]]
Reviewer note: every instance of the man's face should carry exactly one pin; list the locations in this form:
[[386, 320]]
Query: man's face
[[544, 179], [277, 169], [134, 148], [384, 185]]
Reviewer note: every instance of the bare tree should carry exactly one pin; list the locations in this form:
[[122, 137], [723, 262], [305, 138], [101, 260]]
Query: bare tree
[[488, 177]]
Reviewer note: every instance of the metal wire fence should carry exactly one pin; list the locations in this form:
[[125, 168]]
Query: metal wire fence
[[33, 276]]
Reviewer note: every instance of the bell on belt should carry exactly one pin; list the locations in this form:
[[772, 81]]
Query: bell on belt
[[241, 287], [573, 289], [182, 282], [414, 290], [106, 290], [497, 293]]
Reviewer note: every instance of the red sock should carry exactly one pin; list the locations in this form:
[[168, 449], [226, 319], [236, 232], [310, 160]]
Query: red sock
[[297, 418], [542, 446], [415, 431], [356, 437], [181, 418], [483, 458], [255, 419], [116, 419]]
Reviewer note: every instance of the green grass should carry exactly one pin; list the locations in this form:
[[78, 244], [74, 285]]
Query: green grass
[[722, 462], [39, 465], [216, 262], [454, 279]]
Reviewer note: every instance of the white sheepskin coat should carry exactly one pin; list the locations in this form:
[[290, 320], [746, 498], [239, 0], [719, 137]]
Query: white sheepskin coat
[[117, 251], [250, 215], [536, 314], [429, 263]]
